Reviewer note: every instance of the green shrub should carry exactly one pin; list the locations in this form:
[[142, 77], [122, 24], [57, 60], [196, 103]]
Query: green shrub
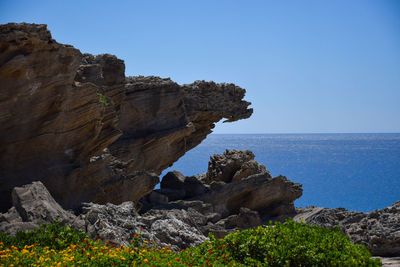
[[292, 244], [102, 99], [287, 244], [55, 236]]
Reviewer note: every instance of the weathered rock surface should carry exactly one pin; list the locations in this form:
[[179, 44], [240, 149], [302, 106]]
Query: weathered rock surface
[[234, 180], [378, 230], [32, 206], [76, 123], [233, 165], [113, 223], [176, 186]]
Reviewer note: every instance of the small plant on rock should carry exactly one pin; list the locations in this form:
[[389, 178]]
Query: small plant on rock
[[103, 99]]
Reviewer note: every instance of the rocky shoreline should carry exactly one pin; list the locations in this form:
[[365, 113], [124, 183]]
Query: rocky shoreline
[[189, 217], [85, 145]]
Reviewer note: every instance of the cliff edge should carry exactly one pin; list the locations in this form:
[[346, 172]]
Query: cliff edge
[[76, 123]]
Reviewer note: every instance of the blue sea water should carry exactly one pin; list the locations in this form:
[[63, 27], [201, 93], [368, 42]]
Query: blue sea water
[[355, 171]]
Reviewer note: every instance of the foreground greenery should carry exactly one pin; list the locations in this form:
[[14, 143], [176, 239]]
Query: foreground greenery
[[288, 244]]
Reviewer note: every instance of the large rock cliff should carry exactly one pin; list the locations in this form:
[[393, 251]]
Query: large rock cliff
[[76, 123]]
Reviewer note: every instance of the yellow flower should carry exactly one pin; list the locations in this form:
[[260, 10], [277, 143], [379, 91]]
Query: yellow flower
[[145, 260]]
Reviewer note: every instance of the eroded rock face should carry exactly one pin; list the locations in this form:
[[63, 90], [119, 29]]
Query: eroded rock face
[[76, 123], [113, 223], [233, 165], [378, 230], [234, 180], [32, 206]]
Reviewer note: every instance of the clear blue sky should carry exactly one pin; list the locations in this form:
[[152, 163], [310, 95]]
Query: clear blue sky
[[307, 66]]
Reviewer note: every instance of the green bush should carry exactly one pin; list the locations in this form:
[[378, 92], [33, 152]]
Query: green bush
[[55, 236], [287, 244], [292, 244], [102, 99]]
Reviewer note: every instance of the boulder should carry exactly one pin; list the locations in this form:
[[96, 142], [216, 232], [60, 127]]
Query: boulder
[[33, 205], [245, 219], [176, 186]]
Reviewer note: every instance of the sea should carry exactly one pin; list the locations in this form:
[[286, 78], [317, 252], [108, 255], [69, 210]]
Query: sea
[[358, 172]]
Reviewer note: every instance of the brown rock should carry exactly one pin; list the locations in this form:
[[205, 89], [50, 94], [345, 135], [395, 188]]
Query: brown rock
[[269, 196], [232, 165], [176, 186], [60, 110], [249, 168]]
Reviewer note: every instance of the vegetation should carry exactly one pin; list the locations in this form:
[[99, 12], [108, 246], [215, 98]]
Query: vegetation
[[102, 99], [288, 244]]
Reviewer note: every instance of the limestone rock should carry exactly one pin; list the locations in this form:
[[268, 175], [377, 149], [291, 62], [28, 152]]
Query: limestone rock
[[76, 123], [209, 102], [176, 186], [378, 230], [244, 220], [50, 123], [269, 196], [173, 180], [234, 181], [232, 165], [112, 223], [249, 168], [173, 227], [33, 205]]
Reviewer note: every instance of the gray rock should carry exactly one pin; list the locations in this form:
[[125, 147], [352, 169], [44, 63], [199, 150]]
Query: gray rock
[[173, 180], [269, 196], [33, 205], [378, 230], [13, 228], [176, 186], [194, 187], [223, 167], [249, 168], [113, 223]]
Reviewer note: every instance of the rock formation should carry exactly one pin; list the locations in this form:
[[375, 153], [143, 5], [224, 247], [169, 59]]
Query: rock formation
[[236, 193], [33, 205], [378, 230], [180, 214], [234, 180], [76, 123], [73, 127]]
